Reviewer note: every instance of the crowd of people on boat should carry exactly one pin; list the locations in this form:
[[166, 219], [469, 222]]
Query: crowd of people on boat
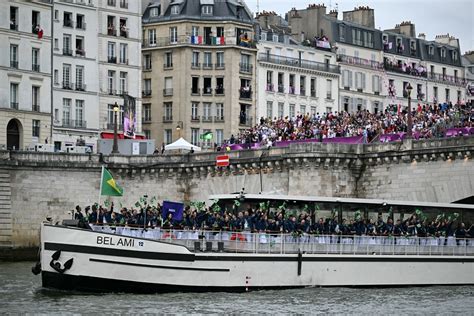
[[429, 121], [280, 220]]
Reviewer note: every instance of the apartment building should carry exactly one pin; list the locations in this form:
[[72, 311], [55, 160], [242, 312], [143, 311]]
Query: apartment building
[[468, 63], [25, 73], [292, 78], [198, 70]]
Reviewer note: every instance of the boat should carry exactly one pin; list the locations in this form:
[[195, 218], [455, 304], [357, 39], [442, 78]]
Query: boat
[[103, 258]]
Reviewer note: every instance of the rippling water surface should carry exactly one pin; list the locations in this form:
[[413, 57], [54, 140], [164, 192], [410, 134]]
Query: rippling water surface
[[21, 292]]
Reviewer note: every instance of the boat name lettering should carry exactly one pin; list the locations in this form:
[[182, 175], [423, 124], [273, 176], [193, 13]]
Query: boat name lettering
[[112, 241]]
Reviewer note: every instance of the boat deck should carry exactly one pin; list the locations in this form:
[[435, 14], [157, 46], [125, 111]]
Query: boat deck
[[271, 243]]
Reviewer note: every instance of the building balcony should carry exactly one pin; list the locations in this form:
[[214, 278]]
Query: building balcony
[[111, 3], [218, 119], [74, 123], [81, 25], [146, 120], [245, 94], [168, 92], [168, 65], [195, 118], [110, 126], [123, 61], [300, 63], [302, 92], [80, 87], [146, 93], [147, 68], [67, 85], [13, 26], [313, 94], [281, 89], [35, 67], [167, 119], [406, 70], [112, 59], [207, 91], [291, 90], [207, 66], [195, 91], [206, 119], [245, 120], [219, 66], [111, 31], [14, 64], [443, 78], [351, 60], [269, 87], [67, 52], [245, 68], [14, 105], [220, 91], [68, 23], [35, 107], [124, 33], [80, 52], [195, 65]]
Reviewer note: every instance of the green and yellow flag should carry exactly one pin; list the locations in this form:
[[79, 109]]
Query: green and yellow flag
[[108, 186]]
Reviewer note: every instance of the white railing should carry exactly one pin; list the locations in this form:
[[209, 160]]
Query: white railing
[[247, 242]]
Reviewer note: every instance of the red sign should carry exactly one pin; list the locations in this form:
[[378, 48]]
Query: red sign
[[222, 161]]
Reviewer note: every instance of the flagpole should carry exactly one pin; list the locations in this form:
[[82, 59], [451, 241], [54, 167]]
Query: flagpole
[[100, 192]]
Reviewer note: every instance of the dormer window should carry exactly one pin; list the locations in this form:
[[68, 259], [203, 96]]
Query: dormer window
[[455, 55], [206, 10], [154, 12], [263, 36], [431, 50], [443, 52], [175, 9]]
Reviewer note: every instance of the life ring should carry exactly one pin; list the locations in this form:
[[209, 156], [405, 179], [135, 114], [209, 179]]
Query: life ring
[[168, 236], [239, 237]]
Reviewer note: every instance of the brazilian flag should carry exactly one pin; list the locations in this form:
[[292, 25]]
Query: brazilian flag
[[108, 186]]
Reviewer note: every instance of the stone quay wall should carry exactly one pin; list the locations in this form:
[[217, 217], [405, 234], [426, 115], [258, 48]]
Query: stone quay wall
[[36, 185]]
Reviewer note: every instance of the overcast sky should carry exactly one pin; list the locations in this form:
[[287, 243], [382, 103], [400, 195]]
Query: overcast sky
[[432, 17]]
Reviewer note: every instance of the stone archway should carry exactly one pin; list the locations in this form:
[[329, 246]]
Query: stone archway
[[14, 134]]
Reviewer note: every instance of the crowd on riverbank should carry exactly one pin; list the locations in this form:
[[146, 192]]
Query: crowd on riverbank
[[277, 221], [429, 121]]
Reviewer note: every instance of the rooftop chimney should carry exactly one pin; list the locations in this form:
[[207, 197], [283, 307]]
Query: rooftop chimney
[[362, 15], [333, 13]]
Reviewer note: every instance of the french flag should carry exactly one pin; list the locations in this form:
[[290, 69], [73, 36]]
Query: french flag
[[196, 39]]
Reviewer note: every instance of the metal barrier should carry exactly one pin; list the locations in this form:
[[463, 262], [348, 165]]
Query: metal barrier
[[248, 242]]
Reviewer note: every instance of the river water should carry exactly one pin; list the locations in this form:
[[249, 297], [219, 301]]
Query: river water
[[21, 292]]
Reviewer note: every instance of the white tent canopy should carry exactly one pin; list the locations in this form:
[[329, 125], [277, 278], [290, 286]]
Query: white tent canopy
[[182, 144]]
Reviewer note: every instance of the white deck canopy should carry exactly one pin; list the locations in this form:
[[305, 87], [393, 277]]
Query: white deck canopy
[[183, 145]]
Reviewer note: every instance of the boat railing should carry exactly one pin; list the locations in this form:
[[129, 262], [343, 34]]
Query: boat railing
[[282, 243]]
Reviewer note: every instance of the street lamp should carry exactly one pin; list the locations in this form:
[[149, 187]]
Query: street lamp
[[409, 131], [115, 145]]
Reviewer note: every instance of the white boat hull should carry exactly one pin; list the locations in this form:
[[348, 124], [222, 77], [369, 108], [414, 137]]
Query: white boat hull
[[107, 262]]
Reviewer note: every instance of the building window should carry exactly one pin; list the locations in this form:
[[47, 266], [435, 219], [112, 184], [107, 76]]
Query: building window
[[195, 136], [206, 10], [147, 133], [342, 32], [313, 87], [281, 109], [13, 18], [35, 99], [111, 81], [443, 53], [14, 56], [168, 110], [35, 59], [168, 136], [14, 96], [173, 35], [220, 60], [67, 76], [56, 76], [80, 24], [168, 91], [219, 112], [194, 111], [269, 109], [67, 19], [194, 30], [111, 117], [66, 112], [291, 111], [302, 109], [206, 113], [168, 60], [219, 136], [147, 87], [329, 89], [152, 37], [195, 60], [435, 94], [154, 12], [80, 78], [36, 128], [313, 111], [67, 45], [123, 83], [376, 84], [146, 112], [111, 53], [147, 62], [80, 114], [207, 60], [175, 9], [448, 98], [123, 59]]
